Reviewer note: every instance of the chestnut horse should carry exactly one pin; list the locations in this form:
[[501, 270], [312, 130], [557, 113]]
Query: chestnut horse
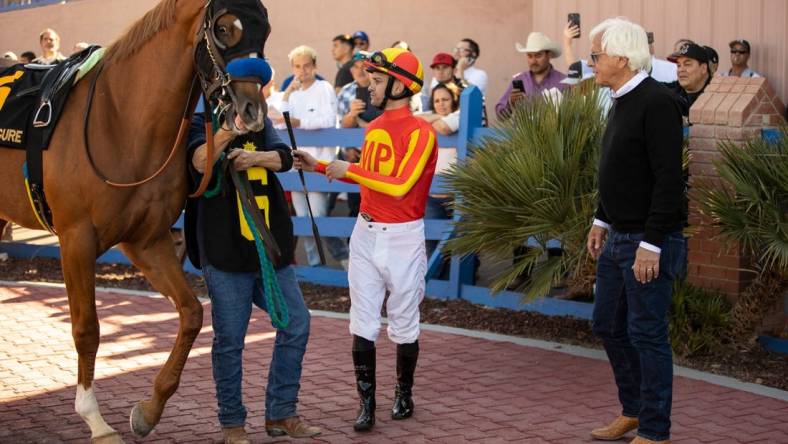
[[145, 81]]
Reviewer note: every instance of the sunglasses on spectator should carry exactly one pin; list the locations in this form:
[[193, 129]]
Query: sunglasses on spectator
[[738, 51], [461, 49]]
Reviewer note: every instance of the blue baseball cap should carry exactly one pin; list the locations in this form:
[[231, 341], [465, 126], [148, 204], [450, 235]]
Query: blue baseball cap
[[361, 35]]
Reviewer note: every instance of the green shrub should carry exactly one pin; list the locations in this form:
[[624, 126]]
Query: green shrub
[[698, 318], [534, 179]]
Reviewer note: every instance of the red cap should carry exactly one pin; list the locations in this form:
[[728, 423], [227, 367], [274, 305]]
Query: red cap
[[442, 58]]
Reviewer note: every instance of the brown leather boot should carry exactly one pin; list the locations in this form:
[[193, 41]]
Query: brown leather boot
[[616, 429], [292, 427], [235, 435], [641, 440]]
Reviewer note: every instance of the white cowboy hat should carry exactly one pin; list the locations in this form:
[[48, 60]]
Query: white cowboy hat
[[539, 42]]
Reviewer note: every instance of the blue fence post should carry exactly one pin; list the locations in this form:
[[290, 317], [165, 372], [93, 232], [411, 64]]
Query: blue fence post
[[461, 269]]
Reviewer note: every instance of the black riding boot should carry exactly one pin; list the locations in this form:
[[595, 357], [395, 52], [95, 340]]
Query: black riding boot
[[364, 364], [407, 355]]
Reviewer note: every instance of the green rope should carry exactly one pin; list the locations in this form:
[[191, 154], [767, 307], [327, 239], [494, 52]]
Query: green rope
[[274, 300], [213, 192]]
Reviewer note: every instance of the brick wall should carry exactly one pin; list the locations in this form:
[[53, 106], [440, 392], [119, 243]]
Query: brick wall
[[735, 109]]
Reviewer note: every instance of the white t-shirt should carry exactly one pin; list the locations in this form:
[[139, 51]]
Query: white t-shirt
[[316, 108], [663, 70], [274, 102], [477, 77], [447, 156]]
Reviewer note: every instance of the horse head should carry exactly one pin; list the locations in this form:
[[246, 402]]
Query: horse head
[[230, 59]]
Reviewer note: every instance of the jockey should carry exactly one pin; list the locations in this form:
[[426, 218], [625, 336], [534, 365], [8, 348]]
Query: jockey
[[387, 252]]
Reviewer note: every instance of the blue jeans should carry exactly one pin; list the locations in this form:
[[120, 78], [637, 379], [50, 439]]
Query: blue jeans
[[632, 320], [232, 296]]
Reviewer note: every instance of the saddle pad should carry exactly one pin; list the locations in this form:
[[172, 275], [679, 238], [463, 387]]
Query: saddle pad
[[21, 88]]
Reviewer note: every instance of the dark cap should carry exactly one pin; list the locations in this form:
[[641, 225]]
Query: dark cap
[[344, 38], [742, 42], [712, 53], [692, 51], [443, 58], [575, 70], [361, 35]]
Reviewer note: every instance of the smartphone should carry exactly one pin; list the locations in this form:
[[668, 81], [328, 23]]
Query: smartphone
[[650, 37], [518, 84], [362, 94], [574, 19]]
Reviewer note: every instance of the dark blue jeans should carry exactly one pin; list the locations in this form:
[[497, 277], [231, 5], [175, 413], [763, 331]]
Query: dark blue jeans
[[632, 320], [232, 296]]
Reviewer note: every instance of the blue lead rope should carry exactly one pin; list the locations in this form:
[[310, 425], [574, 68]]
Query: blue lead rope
[[274, 299]]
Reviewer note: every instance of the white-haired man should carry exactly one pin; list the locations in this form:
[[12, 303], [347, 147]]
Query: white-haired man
[[641, 194]]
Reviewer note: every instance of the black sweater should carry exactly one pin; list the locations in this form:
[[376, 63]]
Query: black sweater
[[641, 187]]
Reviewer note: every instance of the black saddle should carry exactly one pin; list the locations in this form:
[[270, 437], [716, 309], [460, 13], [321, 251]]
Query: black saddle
[[33, 99]]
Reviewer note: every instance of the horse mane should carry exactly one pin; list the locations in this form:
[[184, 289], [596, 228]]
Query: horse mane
[[157, 19]]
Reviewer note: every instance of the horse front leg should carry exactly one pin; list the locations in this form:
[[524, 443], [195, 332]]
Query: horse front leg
[[78, 260], [158, 261]]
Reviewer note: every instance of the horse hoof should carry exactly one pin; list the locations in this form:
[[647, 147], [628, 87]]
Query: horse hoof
[[112, 438], [139, 426]]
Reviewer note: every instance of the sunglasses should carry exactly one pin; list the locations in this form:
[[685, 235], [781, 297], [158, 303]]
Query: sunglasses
[[595, 56], [738, 51]]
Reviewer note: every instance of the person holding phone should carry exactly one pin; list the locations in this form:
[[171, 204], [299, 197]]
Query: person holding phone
[[466, 52], [354, 108], [540, 75]]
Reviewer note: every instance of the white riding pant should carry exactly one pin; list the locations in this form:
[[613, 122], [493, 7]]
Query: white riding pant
[[387, 257]]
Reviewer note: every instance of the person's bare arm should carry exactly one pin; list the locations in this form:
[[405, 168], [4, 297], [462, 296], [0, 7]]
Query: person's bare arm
[[221, 139], [441, 127], [570, 32], [429, 117], [243, 160]]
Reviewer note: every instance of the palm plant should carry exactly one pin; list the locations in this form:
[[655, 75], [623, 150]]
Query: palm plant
[[533, 180], [750, 209], [698, 318]]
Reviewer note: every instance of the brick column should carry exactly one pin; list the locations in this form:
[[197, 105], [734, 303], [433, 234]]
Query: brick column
[[735, 109]]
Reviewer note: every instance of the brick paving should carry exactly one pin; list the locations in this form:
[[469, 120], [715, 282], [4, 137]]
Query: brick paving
[[467, 389]]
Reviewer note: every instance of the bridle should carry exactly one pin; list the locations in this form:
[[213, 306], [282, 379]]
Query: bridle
[[214, 83]]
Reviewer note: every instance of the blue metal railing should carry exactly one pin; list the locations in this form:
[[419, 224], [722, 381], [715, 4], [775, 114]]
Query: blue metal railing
[[13, 5]]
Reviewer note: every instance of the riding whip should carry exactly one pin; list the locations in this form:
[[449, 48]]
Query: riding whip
[[315, 232]]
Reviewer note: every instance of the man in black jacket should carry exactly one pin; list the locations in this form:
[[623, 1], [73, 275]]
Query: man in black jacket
[[640, 212], [694, 73]]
